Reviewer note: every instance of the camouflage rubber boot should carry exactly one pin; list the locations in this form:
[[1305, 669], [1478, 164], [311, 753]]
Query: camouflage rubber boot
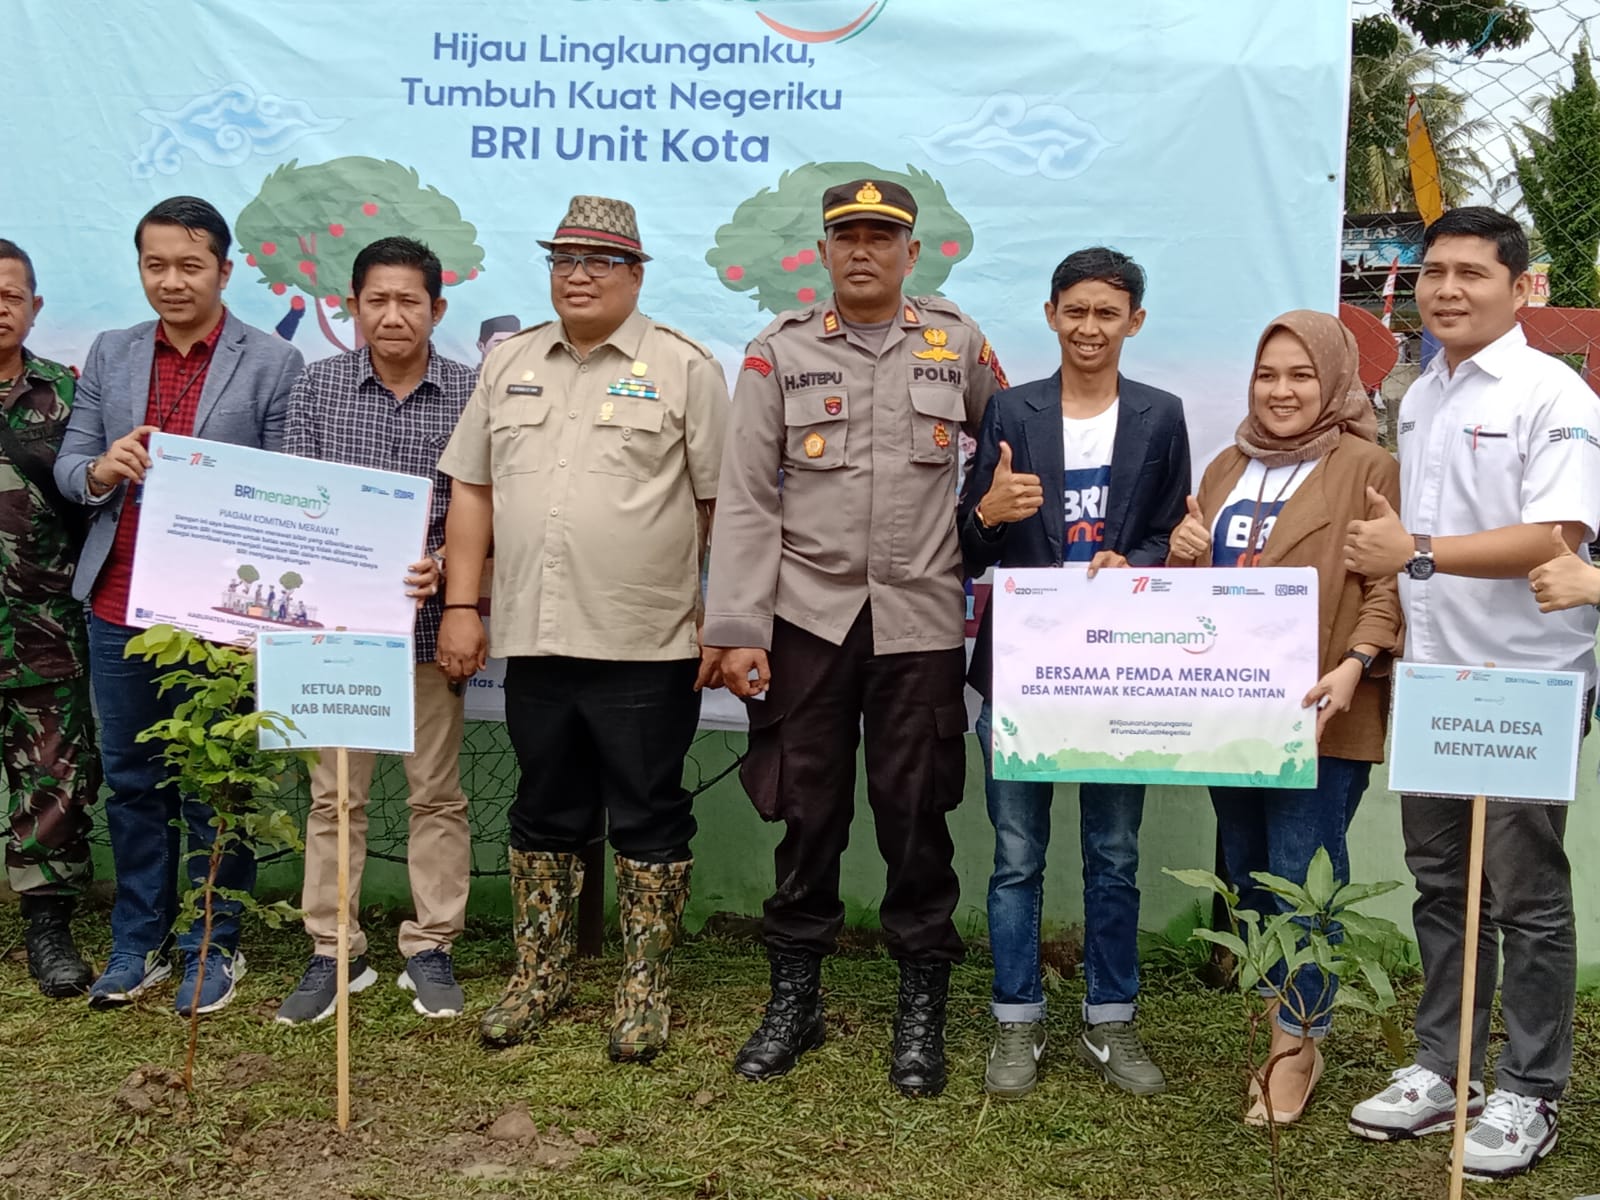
[[544, 894], [651, 897]]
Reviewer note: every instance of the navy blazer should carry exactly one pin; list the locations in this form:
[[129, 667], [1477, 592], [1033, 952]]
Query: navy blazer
[[1150, 477], [244, 401]]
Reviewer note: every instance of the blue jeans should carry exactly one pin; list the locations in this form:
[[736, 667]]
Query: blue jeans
[[1278, 830], [147, 848], [1110, 814]]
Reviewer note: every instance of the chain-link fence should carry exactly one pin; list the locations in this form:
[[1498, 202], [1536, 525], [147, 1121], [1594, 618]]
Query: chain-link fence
[[489, 778], [1509, 98]]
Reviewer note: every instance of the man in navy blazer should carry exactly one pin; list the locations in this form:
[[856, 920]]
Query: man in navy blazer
[[1083, 467], [195, 371]]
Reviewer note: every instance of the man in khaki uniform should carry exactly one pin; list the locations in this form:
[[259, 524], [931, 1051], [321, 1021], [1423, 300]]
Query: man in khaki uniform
[[590, 451], [836, 585]]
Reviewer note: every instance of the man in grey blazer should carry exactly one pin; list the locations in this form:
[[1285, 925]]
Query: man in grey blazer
[[196, 371]]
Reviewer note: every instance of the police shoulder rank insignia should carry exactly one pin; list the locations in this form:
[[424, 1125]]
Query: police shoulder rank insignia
[[830, 322], [941, 435], [759, 365], [868, 193], [833, 405], [910, 316], [937, 340], [988, 358], [815, 444]]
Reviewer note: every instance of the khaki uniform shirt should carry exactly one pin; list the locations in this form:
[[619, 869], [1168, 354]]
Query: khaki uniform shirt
[[596, 465], [839, 482]]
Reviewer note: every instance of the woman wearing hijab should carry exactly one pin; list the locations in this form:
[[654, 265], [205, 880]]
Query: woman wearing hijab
[[1299, 471]]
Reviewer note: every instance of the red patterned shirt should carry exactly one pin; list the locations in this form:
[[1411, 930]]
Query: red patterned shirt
[[176, 381]]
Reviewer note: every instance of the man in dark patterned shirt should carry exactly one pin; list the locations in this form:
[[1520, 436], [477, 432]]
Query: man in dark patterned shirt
[[47, 756], [392, 406]]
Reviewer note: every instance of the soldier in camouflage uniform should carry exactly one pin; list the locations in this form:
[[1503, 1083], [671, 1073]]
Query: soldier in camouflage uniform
[[46, 737]]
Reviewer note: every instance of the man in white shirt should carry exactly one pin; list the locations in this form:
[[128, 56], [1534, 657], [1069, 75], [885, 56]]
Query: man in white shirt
[[1499, 445]]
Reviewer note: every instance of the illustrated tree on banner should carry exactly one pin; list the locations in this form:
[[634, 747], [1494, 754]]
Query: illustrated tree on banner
[[307, 224], [770, 244]]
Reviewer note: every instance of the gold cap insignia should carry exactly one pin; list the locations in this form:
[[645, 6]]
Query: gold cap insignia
[[815, 444], [868, 194]]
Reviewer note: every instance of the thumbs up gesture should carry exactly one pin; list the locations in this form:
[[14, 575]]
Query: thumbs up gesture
[[1012, 495], [1566, 581], [1191, 540], [1378, 545]]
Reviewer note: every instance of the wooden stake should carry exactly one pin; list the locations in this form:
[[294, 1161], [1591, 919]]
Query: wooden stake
[[1469, 993], [342, 988]]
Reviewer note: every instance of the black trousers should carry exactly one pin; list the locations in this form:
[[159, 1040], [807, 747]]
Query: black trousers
[[801, 770], [601, 741]]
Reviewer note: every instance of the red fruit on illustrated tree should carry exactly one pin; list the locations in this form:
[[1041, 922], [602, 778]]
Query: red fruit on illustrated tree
[[269, 248], [950, 249], [331, 301], [790, 262], [336, 230], [307, 267], [250, 260], [735, 273], [298, 303], [449, 276], [370, 209], [278, 289], [472, 274], [806, 295], [807, 257]]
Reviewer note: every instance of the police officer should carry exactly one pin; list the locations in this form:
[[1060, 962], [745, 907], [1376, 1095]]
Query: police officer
[[835, 596]]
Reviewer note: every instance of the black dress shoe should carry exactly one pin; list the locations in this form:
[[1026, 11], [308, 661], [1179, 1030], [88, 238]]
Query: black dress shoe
[[916, 1063], [793, 1020], [53, 960]]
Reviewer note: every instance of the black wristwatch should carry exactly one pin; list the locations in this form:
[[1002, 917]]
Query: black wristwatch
[[1420, 565], [1366, 660]]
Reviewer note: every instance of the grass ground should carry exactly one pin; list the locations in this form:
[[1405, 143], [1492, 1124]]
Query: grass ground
[[78, 1117]]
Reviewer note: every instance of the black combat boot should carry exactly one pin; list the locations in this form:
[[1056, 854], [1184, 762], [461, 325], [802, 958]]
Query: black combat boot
[[916, 1064], [52, 958], [793, 1021]]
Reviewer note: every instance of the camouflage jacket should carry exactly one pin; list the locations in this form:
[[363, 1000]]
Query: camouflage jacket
[[42, 634]]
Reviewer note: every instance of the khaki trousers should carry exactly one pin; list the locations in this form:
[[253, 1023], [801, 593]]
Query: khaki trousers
[[439, 843]]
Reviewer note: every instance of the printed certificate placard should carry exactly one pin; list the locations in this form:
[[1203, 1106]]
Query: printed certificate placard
[[1180, 676], [234, 542], [1483, 731], [339, 689]]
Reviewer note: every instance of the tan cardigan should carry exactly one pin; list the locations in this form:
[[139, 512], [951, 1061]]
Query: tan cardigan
[[1354, 610]]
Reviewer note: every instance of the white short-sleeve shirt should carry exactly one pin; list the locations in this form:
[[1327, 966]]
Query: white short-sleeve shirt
[[1513, 437]]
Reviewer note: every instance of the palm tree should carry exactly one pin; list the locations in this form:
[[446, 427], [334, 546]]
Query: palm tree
[[1377, 169]]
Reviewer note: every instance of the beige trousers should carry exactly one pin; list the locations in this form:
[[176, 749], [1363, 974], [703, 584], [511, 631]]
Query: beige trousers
[[439, 845]]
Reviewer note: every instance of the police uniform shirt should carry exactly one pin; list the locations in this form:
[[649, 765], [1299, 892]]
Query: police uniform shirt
[[1512, 438], [596, 465], [839, 481]]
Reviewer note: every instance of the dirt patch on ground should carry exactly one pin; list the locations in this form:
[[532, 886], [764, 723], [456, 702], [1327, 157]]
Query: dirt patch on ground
[[152, 1090]]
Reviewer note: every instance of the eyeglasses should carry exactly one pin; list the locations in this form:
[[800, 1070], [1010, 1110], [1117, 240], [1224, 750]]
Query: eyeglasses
[[595, 266]]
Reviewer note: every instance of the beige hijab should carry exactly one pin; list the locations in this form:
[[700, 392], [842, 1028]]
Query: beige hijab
[[1345, 407]]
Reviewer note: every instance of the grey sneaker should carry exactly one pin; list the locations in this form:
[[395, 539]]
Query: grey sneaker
[[431, 975], [1014, 1059], [1113, 1048], [313, 999]]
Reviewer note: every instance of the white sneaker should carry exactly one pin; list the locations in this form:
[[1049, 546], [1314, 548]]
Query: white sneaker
[[1513, 1134], [1417, 1102]]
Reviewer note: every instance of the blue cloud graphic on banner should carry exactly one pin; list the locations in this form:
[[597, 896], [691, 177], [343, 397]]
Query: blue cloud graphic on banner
[[1044, 139], [224, 128]]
